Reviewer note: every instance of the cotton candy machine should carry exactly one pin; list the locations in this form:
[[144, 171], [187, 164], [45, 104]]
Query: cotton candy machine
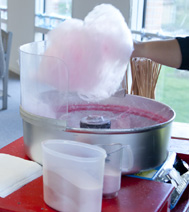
[[52, 113]]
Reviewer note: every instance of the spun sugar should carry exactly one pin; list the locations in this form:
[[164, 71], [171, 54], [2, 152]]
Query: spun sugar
[[96, 51]]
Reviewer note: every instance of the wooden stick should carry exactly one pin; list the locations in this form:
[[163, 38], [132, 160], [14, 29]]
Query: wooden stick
[[145, 73]]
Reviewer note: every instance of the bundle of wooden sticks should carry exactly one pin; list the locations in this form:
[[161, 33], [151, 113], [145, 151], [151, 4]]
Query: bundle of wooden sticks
[[145, 73]]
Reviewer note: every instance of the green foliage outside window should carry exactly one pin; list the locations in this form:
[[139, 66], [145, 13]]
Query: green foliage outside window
[[173, 90]]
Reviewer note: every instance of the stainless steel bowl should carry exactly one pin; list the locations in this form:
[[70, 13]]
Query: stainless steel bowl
[[147, 144]]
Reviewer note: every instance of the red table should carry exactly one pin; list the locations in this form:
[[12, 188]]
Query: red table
[[135, 194]]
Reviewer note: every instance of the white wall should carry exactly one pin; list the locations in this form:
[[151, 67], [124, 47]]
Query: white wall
[[80, 8], [21, 24]]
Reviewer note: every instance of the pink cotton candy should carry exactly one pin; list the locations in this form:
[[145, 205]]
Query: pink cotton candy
[[96, 52]]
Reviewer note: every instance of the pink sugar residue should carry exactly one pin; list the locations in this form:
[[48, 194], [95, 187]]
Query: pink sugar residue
[[121, 117], [112, 181]]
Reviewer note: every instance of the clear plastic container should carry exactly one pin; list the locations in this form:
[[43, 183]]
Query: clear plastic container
[[41, 94], [113, 168], [73, 175]]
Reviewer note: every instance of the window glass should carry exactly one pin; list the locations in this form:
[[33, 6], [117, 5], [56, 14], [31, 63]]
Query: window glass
[[3, 3], [172, 89], [49, 13], [3, 8], [61, 8], [170, 17]]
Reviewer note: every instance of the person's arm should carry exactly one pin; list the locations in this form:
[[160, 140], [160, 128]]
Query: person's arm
[[165, 52]]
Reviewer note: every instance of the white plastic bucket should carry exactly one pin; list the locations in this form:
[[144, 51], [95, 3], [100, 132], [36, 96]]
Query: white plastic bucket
[[73, 175]]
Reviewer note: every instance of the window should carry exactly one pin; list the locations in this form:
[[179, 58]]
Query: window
[[168, 16], [3, 4], [164, 19], [49, 14], [3, 9], [61, 8]]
